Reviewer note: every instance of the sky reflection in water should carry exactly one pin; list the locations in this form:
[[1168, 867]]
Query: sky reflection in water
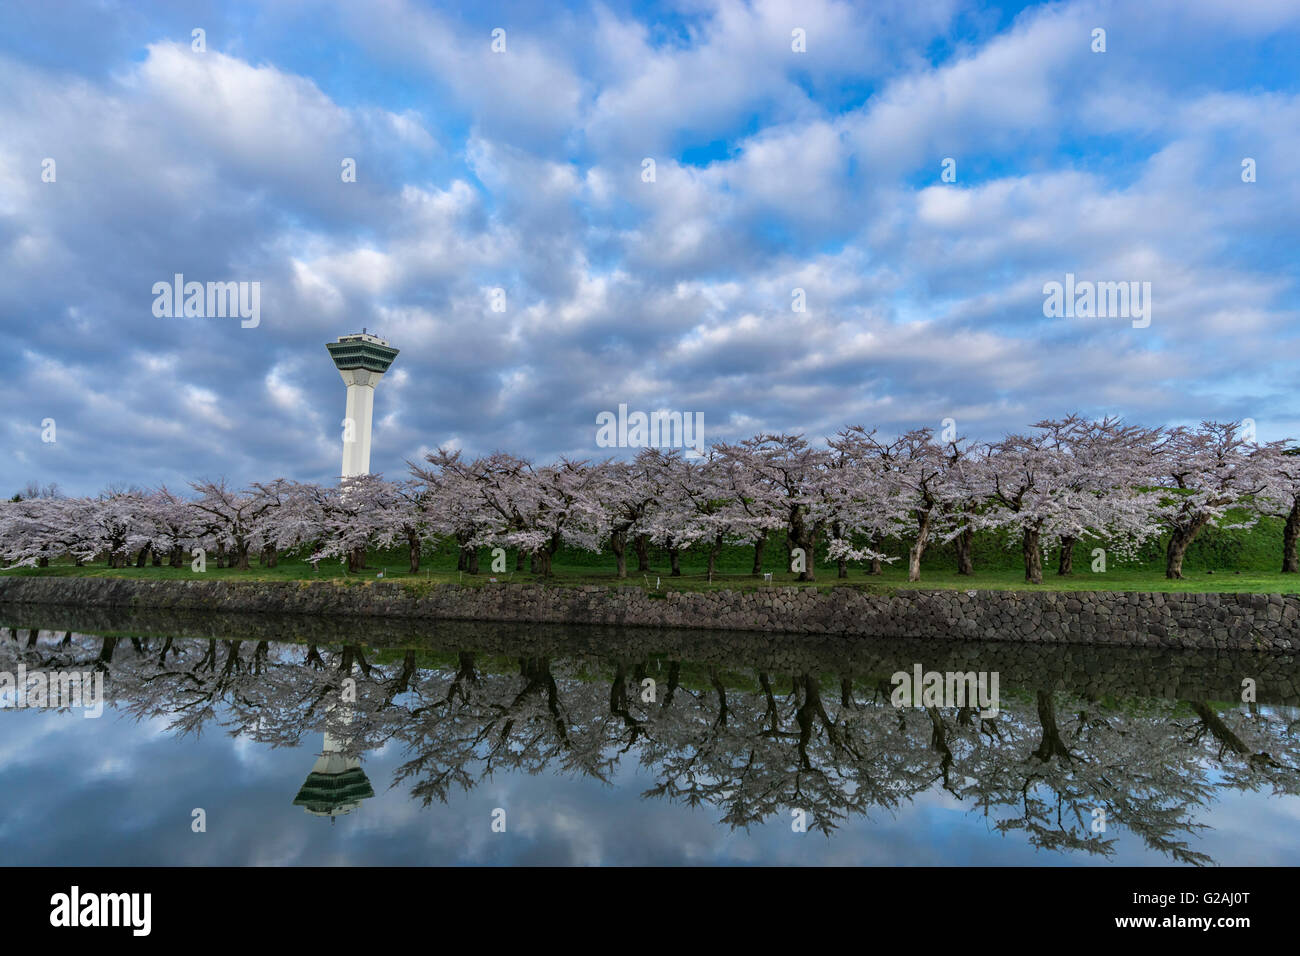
[[234, 726]]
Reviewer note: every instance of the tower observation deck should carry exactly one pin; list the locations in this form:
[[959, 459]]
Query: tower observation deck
[[362, 359]]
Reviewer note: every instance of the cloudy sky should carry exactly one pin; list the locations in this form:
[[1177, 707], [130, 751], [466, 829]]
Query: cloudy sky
[[525, 171]]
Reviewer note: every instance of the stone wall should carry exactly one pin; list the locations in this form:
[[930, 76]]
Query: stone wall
[[1269, 622]]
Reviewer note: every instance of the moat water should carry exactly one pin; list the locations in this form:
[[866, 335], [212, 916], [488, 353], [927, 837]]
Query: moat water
[[260, 740]]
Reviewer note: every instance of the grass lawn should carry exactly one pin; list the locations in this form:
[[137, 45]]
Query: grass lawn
[[440, 569]]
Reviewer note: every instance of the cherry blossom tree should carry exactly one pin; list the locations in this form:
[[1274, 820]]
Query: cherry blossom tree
[[906, 486], [361, 513], [177, 525], [477, 503], [1028, 479], [665, 523], [230, 518], [503, 500], [294, 522], [1209, 472], [707, 515], [789, 477], [1062, 482], [753, 511], [1102, 483], [118, 525], [626, 493], [965, 500], [412, 501], [37, 530], [560, 506], [1070, 479]]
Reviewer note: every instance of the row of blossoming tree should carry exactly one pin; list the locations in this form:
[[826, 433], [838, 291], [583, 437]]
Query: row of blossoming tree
[[861, 498]]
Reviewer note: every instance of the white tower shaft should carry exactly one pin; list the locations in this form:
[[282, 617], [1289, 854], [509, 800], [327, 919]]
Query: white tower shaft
[[362, 359], [359, 420]]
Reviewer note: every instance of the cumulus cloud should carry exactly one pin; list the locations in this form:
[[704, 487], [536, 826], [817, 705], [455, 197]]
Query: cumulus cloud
[[780, 178]]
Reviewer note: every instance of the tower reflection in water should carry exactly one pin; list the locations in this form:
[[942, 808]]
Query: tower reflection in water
[[336, 784]]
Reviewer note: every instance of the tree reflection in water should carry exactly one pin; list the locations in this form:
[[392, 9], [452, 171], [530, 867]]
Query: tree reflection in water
[[754, 726]]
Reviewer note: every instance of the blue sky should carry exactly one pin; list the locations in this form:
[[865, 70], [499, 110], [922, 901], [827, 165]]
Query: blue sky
[[521, 170]]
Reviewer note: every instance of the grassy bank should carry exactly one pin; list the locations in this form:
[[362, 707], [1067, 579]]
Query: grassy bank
[[1219, 560], [393, 567]]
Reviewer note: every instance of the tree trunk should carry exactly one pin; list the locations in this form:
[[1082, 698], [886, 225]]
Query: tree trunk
[[808, 542], [1179, 541], [1052, 744], [841, 564], [106, 651], [800, 535], [460, 558], [618, 544], [551, 551], [1290, 538], [674, 562], [42, 562], [713, 555], [177, 559], [918, 546], [471, 561], [241, 557], [1066, 565], [875, 567], [413, 551], [758, 555], [642, 552], [1033, 556], [356, 559], [142, 558], [965, 546]]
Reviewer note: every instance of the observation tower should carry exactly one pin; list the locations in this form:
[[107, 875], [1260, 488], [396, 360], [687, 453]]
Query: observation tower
[[362, 359]]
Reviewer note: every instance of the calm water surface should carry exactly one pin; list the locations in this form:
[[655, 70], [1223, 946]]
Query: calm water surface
[[361, 743]]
